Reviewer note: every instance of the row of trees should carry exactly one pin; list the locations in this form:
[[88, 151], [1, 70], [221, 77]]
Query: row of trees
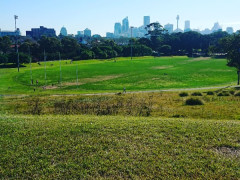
[[158, 42]]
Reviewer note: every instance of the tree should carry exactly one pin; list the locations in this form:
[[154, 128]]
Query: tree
[[5, 44], [232, 47], [155, 31]]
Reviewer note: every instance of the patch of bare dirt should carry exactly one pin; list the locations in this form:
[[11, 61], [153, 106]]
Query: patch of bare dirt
[[200, 59], [162, 67], [84, 81], [228, 151]]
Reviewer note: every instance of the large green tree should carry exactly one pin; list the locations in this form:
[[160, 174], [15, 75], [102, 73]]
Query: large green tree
[[232, 47]]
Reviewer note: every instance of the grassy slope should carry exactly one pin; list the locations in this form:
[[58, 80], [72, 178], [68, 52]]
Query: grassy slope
[[116, 147], [145, 73]]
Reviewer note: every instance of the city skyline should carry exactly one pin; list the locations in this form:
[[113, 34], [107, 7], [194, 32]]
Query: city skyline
[[98, 18]]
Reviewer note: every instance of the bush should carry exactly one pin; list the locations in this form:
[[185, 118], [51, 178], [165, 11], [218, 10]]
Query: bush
[[237, 94], [183, 94], [223, 94], [232, 92], [193, 102], [196, 94], [210, 93]]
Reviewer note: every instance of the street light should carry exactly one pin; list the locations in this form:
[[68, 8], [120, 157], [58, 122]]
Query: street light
[[16, 40]]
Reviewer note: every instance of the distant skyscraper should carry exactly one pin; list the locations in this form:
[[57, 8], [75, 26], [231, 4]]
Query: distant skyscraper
[[63, 31], [229, 30], [146, 20], [36, 33], [125, 25], [87, 32], [117, 29], [109, 35], [216, 27], [187, 26], [169, 28], [80, 34]]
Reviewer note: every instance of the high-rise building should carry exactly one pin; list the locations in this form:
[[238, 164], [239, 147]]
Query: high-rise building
[[10, 33], [146, 20], [36, 33], [169, 28], [117, 29], [229, 30], [187, 26], [109, 35], [125, 25], [80, 33], [87, 32], [216, 27], [63, 31]]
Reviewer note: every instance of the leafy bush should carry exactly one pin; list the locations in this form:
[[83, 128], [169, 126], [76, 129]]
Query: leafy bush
[[223, 94], [237, 94], [210, 93], [183, 94], [196, 94], [232, 92], [193, 102]]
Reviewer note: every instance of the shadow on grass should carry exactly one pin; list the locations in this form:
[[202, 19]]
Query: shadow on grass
[[5, 66]]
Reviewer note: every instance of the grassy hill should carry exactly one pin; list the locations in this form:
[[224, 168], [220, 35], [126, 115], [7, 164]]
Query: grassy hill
[[143, 73], [91, 147]]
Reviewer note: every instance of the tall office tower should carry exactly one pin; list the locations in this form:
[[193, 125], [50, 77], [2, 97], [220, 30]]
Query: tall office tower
[[63, 31], [229, 30], [125, 25], [169, 28], [117, 29], [146, 20], [187, 26], [216, 27], [36, 33], [87, 32]]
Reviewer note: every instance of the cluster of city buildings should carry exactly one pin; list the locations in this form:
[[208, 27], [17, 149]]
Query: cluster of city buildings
[[120, 30]]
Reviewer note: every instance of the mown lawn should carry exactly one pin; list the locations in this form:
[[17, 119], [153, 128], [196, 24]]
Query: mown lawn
[[68, 147], [142, 73]]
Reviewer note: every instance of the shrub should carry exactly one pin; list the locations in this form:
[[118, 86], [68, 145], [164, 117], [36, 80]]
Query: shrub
[[223, 94], [183, 94], [232, 92], [196, 94], [237, 94], [210, 93], [193, 102]]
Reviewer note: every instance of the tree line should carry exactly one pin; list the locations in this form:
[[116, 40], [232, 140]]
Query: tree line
[[157, 43]]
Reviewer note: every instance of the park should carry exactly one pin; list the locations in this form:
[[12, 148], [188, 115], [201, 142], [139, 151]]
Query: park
[[161, 107]]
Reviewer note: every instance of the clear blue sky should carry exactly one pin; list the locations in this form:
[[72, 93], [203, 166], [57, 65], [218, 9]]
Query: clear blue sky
[[100, 15]]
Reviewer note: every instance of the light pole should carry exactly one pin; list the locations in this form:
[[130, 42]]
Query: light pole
[[16, 40], [131, 43]]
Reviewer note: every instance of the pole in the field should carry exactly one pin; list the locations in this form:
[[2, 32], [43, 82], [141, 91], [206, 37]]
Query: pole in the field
[[131, 44], [30, 59], [77, 74], [16, 41], [45, 67], [60, 77]]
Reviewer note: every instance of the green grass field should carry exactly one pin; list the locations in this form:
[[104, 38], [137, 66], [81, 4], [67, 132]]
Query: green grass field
[[152, 135], [143, 73], [91, 147]]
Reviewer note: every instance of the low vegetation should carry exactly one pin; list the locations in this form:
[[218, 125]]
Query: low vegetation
[[93, 147]]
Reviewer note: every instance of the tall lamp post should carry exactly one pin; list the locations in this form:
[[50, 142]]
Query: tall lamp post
[[16, 42], [131, 43]]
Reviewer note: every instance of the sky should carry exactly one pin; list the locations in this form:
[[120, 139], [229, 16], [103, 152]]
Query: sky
[[100, 15]]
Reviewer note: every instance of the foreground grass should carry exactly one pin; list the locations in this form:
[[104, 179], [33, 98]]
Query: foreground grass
[[67, 147], [142, 73]]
